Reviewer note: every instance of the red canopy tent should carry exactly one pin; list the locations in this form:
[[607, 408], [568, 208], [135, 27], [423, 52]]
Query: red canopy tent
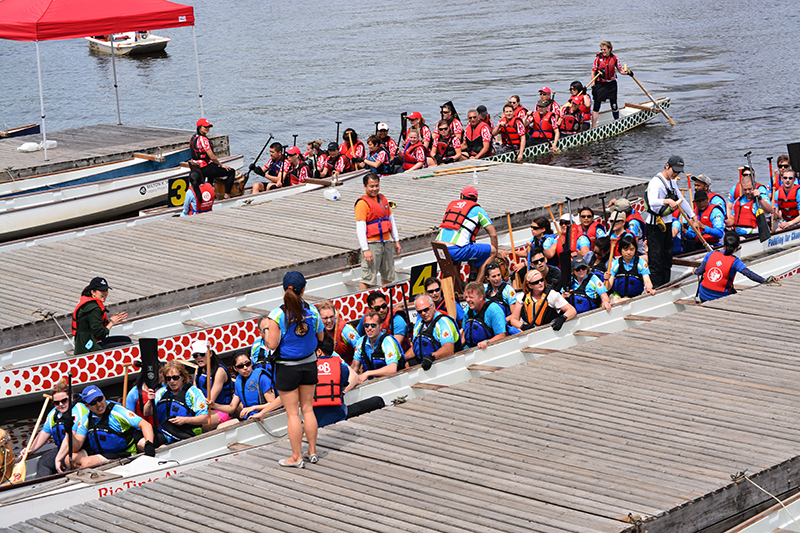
[[44, 20]]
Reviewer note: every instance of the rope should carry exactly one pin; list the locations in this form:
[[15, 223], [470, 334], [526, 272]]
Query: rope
[[742, 475]]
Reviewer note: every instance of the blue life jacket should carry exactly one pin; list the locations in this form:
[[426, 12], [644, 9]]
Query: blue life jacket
[[497, 297], [171, 405], [580, 300], [225, 396], [425, 343], [57, 429], [629, 283], [378, 358], [383, 168], [475, 327], [102, 439], [294, 347], [249, 390]]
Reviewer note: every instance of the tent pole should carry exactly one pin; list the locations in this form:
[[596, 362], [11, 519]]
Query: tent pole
[[114, 69], [41, 100], [197, 65]]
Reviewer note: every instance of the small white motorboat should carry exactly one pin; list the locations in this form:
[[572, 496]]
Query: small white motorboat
[[128, 43]]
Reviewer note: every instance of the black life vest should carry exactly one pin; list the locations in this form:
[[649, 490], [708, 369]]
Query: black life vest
[[425, 342], [378, 358], [194, 147], [444, 147], [497, 297]]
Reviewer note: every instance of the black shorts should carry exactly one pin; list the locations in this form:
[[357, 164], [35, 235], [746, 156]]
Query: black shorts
[[603, 91], [290, 377]]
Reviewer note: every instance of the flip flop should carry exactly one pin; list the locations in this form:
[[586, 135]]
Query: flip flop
[[284, 462]]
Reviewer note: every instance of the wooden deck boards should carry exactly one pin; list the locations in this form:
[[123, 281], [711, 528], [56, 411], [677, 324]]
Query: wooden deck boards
[[179, 261], [647, 421]]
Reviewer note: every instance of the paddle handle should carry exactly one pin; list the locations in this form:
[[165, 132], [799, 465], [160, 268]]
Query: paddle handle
[[449, 295], [703, 241], [126, 366], [208, 384], [511, 236], [672, 122], [595, 77], [555, 222], [47, 399]]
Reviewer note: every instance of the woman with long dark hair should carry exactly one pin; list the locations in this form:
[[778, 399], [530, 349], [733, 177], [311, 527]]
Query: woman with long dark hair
[[199, 196], [91, 324], [221, 386]]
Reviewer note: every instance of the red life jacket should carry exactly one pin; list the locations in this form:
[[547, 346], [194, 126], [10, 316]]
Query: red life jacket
[[743, 214], [617, 251], [297, 175], [634, 216], [586, 110], [140, 410], [737, 192], [197, 154], [344, 149], [705, 219], [329, 382], [339, 346], [408, 156], [575, 232], [787, 203], [718, 277], [520, 112], [378, 221], [541, 127], [591, 233], [348, 166], [509, 133], [456, 214], [387, 326], [83, 301], [571, 123], [444, 147], [474, 140], [206, 200], [609, 64]]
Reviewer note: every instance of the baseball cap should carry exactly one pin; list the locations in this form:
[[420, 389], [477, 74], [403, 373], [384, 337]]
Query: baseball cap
[[545, 90], [415, 115], [204, 122], [295, 280], [98, 284], [579, 262], [616, 216], [470, 192], [333, 146], [294, 150], [676, 163], [700, 196], [702, 178], [383, 126], [622, 204], [91, 393], [200, 347]]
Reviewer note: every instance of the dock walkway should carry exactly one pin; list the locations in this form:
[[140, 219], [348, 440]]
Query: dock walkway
[[651, 422], [180, 261]]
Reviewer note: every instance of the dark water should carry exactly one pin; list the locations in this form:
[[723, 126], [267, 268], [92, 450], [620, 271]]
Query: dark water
[[279, 68]]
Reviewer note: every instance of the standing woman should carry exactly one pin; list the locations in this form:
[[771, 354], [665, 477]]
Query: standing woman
[[204, 157], [90, 322], [221, 393], [294, 329], [605, 86]]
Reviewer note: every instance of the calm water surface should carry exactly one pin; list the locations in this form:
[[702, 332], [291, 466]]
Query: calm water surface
[[731, 69]]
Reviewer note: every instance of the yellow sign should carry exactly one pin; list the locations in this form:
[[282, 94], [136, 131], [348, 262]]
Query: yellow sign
[[177, 191], [419, 274]]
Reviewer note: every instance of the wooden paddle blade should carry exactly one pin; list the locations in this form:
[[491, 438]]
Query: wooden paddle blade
[[449, 297], [20, 472]]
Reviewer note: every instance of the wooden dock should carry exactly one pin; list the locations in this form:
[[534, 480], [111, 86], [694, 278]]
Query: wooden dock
[[93, 145], [180, 261], [637, 430]]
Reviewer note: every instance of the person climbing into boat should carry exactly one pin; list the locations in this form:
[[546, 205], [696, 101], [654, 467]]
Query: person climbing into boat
[[425, 136], [446, 146], [462, 220], [703, 183], [294, 331], [543, 126], [477, 137], [199, 196], [105, 432], [578, 94], [344, 336], [746, 207], [433, 288], [787, 198], [91, 324], [379, 159], [541, 303], [512, 131], [377, 234], [629, 275], [203, 156], [606, 64], [415, 154], [270, 170], [378, 353], [220, 394], [254, 392], [500, 291], [587, 291], [712, 221], [180, 407], [435, 334], [394, 320], [718, 270], [353, 148], [484, 322], [334, 379], [546, 97], [450, 116]]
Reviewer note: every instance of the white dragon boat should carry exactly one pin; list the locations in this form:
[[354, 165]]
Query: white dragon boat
[[128, 43]]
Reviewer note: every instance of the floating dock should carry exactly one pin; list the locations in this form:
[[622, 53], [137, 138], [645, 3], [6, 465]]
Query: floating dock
[[93, 145], [180, 261], [640, 430]]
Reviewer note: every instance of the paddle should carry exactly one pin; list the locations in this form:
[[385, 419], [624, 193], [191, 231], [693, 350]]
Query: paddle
[[403, 124], [699, 234], [511, 236], [338, 123], [565, 257], [126, 366], [761, 218], [449, 295], [553, 218], [591, 82], [20, 470], [148, 349], [208, 384], [772, 199], [449, 173], [605, 215], [658, 107]]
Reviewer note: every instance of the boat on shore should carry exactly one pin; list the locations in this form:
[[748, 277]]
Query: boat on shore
[[128, 43], [34, 498], [19, 131]]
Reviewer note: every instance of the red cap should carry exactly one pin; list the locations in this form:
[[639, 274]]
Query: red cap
[[204, 122], [294, 150], [470, 192], [545, 90], [415, 115]]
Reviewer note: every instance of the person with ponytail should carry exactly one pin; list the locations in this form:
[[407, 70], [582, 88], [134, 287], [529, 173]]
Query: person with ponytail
[[199, 196], [718, 270], [294, 330]]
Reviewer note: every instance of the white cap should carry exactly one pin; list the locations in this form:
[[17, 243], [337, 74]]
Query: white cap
[[200, 347], [383, 126], [565, 217]]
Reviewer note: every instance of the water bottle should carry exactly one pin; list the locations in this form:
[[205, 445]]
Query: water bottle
[[475, 177], [331, 194]]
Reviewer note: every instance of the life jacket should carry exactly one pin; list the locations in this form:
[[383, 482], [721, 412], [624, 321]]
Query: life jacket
[[712, 195], [497, 297], [787, 203], [705, 219], [609, 64], [520, 112], [629, 283], [455, 217], [442, 308], [203, 205], [275, 167], [329, 382], [102, 439], [586, 110], [425, 342], [249, 390], [225, 395], [294, 177], [171, 405], [737, 192], [591, 233], [408, 155], [57, 425], [539, 312], [348, 165], [717, 276], [509, 133], [83, 301], [387, 326], [444, 148], [344, 149], [384, 168], [341, 348], [378, 221], [197, 154], [580, 300], [617, 251], [475, 327], [571, 123], [743, 214], [541, 127], [474, 140], [293, 346], [575, 232], [140, 403], [378, 358]]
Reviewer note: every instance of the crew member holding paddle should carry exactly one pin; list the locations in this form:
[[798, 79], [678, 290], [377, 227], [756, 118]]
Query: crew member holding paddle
[[606, 64]]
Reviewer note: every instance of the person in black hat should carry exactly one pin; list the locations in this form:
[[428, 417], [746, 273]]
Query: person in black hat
[[337, 163], [91, 323]]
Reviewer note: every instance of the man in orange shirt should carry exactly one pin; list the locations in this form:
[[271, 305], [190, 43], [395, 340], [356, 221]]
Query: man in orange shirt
[[376, 229]]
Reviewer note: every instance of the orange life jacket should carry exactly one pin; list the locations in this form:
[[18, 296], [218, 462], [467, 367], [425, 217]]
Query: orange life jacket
[[83, 301], [378, 221]]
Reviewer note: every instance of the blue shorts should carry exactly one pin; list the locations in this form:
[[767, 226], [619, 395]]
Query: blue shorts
[[479, 252]]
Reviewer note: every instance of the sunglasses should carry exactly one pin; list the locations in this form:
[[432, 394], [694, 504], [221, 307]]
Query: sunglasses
[[746, 175], [472, 118], [788, 178], [537, 282], [172, 378], [369, 325], [434, 291], [59, 402], [424, 310], [443, 129], [96, 400], [587, 216], [197, 355], [536, 227], [380, 307], [243, 365], [783, 166], [537, 261], [581, 268]]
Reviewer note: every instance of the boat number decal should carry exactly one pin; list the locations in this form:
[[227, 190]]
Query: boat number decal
[[177, 191], [419, 274]]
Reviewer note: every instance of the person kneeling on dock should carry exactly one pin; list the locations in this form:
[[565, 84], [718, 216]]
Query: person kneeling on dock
[[718, 270], [484, 322], [107, 429], [200, 195], [542, 304], [203, 156], [181, 408], [379, 353], [435, 334]]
